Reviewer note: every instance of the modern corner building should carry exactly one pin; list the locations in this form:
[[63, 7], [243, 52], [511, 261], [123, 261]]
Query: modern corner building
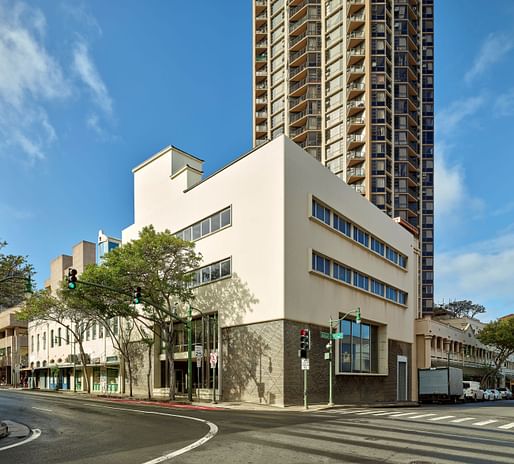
[[279, 259], [351, 82]]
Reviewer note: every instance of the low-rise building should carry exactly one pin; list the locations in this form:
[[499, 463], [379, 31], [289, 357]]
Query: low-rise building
[[54, 361], [286, 245], [451, 341], [13, 347]]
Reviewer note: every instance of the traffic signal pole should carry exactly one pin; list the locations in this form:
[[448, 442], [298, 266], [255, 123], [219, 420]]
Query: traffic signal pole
[[331, 350]]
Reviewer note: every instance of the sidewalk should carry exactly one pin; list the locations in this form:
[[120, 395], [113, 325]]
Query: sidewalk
[[181, 402]]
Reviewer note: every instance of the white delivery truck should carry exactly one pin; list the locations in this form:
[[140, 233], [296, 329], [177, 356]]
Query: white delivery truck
[[440, 384]]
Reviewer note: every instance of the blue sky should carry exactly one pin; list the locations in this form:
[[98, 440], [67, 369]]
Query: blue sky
[[90, 89]]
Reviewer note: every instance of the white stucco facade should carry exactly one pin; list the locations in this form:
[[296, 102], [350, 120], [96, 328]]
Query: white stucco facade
[[273, 287]]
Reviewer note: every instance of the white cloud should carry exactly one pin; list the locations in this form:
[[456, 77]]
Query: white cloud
[[449, 119], [504, 104], [493, 49], [448, 184], [30, 77], [86, 70], [482, 272]]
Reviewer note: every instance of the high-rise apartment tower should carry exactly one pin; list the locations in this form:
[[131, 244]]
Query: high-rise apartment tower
[[352, 82]]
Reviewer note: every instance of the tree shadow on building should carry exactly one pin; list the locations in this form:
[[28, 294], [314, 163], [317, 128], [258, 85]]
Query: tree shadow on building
[[251, 353]]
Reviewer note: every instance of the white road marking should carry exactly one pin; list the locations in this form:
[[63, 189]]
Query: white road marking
[[213, 430], [368, 412], [345, 411], [440, 418], [42, 409], [463, 419], [405, 414], [386, 413], [490, 421], [36, 433], [507, 426], [421, 415]]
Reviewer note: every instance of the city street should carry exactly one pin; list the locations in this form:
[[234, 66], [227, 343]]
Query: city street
[[77, 430]]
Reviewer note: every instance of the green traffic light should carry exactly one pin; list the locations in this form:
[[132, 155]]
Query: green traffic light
[[136, 300], [72, 285], [358, 316]]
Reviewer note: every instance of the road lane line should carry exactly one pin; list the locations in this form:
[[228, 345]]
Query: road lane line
[[490, 421], [42, 409], [440, 418], [463, 419], [368, 412], [36, 433], [213, 430], [344, 411], [405, 414], [420, 416], [507, 426]]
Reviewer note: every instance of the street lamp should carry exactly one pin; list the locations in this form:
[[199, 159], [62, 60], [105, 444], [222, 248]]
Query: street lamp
[[330, 346]]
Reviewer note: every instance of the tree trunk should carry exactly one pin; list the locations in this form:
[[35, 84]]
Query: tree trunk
[[129, 368], [84, 365]]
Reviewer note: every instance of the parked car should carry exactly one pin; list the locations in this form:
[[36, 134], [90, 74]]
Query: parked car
[[505, 393], [491, 394], [472, 391]]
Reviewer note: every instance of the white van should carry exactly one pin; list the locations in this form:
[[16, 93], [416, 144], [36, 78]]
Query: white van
[[472, 390]]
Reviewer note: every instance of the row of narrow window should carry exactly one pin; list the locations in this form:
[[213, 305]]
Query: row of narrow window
[[350, 276], [334, 220], [206, 226]]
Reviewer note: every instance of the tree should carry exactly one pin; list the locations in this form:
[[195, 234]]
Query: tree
[[161, 265], [499, 335], [15, 278], [462, 308], [42, 306]]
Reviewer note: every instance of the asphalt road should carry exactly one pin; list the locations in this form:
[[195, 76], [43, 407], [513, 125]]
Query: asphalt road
[[76, 430]]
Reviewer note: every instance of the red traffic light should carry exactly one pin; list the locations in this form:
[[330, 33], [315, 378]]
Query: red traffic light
[[304, 332]]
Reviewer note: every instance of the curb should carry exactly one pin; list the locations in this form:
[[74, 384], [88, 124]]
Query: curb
[[4, 430]]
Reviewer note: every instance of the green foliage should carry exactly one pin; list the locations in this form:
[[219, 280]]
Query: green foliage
[[500, 335], [15, 273], [462, 308]]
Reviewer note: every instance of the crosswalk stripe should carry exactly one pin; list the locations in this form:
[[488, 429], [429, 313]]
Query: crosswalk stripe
[[463, 419], [507, 426], [344, 411], [385, 413], [405, 414], [422, 415], [440, 418], [368, 412], [490, 421]]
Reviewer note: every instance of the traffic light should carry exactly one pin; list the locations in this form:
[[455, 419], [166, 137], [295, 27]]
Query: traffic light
[[72, 278], [28, 285], [305, 336], [137, 295], [358, 316]]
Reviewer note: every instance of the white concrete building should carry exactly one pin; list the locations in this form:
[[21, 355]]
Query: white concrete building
[[287, 245]]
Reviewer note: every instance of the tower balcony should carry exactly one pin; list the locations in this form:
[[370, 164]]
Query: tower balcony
[[260, 116], [354, 89], [354, 5], [359, 188], [355, 38], [355, 72], [261, 129], [354, 157], [355, 21], [261, 46], [355, 140], [260, 103], [354, 124], [261, 18], [355, 174], [355, 55], [354, 107], [261, 33]]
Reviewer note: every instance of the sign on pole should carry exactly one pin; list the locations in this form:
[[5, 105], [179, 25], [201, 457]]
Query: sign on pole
[[305, 364], [335, 335], [199, 351], [213, 358]]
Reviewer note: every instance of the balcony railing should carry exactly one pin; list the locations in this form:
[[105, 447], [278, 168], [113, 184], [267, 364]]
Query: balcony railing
[[262, 44], [354, 120], [355, 69], [356, 35], [355, 138], [356, 86], [294, 9], [261, 114], [357, 51], [355, 172], [261, 30], [310, 16], [261, 128], [261, 72], [261, 57], [359, 188], [261, 100], [355, 155], [355, 104]]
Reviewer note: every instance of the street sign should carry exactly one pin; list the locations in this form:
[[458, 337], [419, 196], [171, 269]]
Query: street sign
[[335, 335], [213, 358], [327, 356], [305, 364], [199, 351]]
